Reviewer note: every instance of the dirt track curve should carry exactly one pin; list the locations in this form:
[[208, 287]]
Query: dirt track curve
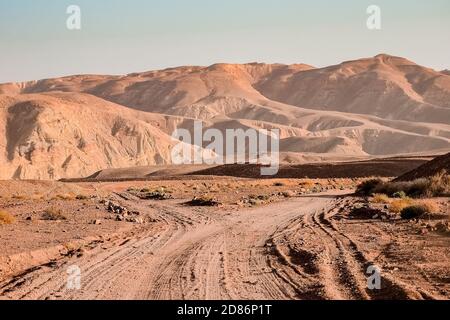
[[287, 250]]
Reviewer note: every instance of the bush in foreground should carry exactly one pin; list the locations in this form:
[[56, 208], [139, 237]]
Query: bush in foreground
[[380, 198], [413, 212], [439, 184], [419, 209], [396, 206], [367, 188], [435, 186]]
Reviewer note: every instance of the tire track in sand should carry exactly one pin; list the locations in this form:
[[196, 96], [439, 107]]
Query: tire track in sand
[[286, 250]]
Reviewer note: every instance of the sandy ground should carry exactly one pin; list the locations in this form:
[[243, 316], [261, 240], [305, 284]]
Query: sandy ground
[[304, 246]]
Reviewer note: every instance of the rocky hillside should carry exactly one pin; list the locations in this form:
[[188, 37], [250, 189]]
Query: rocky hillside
[[74, 126], [431, 168]]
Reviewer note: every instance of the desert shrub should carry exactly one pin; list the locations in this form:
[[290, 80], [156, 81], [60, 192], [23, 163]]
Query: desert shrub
[[6, 218], [402, 189], [256, 199], [380, 198], [158, 194], [417, 188], [413, 212], [155, 195], [429, 205], [367, 187], [419, 209], [364, 212], [53, 214], [263, 197], [399, 194], [439, 184], [204, 201], [398, 205]]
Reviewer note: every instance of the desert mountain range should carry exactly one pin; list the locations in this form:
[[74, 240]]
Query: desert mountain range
[[74, 126]]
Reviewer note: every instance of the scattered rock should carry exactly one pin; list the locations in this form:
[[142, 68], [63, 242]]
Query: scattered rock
[[288, 194], [362, 212], [251, 280], [443, 227], [115, 208], [204, 201], [80, 252], [278, 184]]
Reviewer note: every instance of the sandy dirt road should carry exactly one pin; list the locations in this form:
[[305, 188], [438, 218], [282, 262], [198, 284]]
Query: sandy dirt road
[[286, 250]]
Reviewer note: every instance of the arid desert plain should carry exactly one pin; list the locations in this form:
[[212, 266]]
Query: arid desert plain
[[92, 207]]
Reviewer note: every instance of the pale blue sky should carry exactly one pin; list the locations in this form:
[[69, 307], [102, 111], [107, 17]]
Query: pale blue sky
[[124, 36]]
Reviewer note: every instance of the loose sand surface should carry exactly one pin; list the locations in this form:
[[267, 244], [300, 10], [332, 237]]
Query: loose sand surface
[[297, 240]]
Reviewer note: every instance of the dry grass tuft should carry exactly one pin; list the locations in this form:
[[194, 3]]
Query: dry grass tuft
[[439, 184], [6, 218], [53, 214], [396, 206], [429, 205], [380, 198]]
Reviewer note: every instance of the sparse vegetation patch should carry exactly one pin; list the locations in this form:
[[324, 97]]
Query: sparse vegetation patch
[[53, 214], [204, 201], [413, 212], [435, 186]]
